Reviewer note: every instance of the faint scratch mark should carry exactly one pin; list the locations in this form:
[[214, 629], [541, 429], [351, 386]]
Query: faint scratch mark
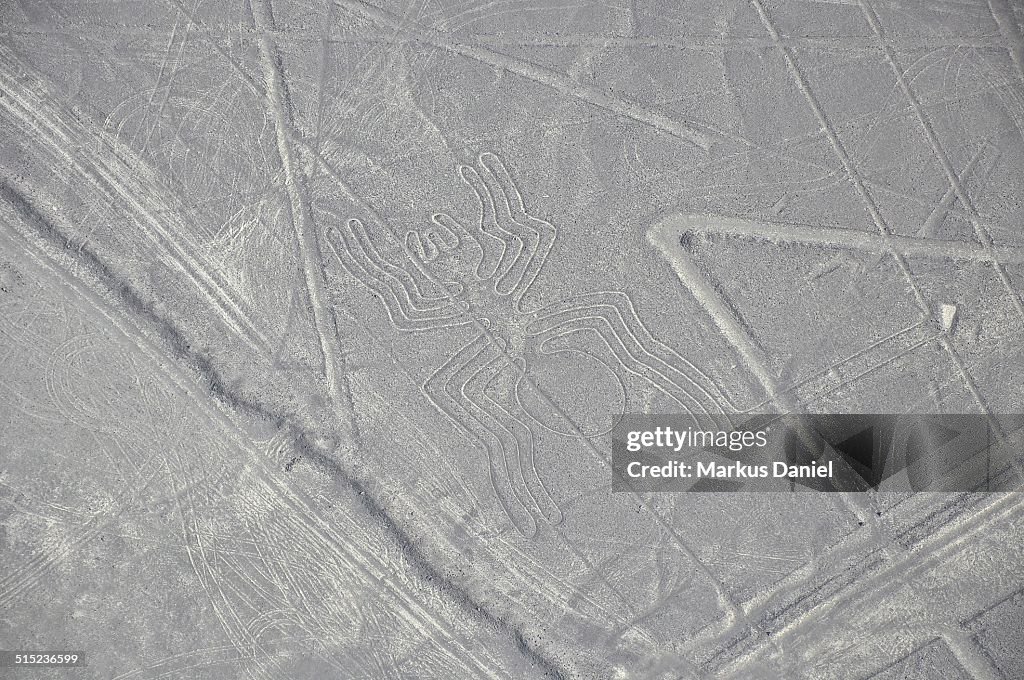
[[687, 131], [1005, 19]]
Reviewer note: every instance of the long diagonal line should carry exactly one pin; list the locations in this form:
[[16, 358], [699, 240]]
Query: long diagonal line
[[693, 133], [158, 118], [262, 91], [894, 574], [858, 183], [673, 127], [666, 237], [933, 222], [206, 33], [130, 330], [725, 317], [941, 155], [107, 165], [302, 222]]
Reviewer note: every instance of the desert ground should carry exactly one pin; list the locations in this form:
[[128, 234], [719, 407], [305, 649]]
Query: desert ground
[[316, 317]]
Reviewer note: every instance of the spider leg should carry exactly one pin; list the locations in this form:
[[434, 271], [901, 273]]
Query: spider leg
[[479, 404], [445, 252], [423, 245], [533, 237], [516, 237], [446, 388], [612, 316], [491, 264], [522, 437], [400, 274], [403, 303]]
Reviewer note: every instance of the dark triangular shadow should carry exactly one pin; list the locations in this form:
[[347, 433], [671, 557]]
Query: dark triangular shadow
[[859, 448]]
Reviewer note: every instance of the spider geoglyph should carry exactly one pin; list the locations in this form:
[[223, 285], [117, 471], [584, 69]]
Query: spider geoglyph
[[480, 279]]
